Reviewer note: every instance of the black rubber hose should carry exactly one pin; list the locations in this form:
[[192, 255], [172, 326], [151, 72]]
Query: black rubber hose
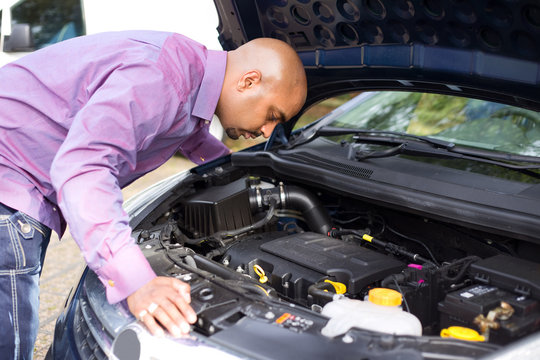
[[399, 278], [310, 206], [294, 198], [318, 292]]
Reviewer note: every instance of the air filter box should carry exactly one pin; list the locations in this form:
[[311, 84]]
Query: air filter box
[[218, 208]]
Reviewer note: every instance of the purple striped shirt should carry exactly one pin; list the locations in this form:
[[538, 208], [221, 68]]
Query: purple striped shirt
[[81, 119]]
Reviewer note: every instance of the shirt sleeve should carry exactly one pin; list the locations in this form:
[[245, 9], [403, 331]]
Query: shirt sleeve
[[134, 104], [204, 147]]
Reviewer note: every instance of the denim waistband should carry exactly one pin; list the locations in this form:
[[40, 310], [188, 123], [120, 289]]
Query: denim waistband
[[6, 211]]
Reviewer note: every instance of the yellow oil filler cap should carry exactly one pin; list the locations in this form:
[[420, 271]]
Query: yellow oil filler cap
[[339, 287], [385, 297], [462, 333], [260, 271]]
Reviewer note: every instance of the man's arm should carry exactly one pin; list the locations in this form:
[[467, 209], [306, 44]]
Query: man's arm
[[133, 106]]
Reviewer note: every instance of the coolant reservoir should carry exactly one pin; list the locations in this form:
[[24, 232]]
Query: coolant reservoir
[[381, 312]]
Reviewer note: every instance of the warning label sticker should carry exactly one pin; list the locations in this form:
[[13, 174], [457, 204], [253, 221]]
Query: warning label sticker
[[476, 291]]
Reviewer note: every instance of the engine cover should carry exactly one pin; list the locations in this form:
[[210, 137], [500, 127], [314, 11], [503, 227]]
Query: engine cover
[[294, 262]]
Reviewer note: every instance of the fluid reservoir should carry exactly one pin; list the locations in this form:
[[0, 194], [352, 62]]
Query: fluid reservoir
[[381, 312]]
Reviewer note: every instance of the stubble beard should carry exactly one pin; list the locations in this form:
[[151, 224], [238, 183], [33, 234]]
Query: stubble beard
[[232, 133]]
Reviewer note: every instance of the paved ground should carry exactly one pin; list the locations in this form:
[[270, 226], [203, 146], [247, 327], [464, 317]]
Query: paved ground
[[64, 263]]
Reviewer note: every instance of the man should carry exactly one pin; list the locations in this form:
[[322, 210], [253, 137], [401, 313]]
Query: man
[[81, 119]]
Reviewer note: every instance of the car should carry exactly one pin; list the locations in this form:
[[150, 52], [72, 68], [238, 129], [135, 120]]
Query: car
[[403, 223]]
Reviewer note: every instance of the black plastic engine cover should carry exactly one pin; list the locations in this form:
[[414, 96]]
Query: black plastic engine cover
[[294, 262]]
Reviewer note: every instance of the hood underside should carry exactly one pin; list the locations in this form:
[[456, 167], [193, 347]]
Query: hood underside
[[487, 48]]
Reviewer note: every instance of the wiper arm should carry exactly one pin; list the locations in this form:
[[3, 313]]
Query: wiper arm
[[419, 149], [432, 147], [381, 136]]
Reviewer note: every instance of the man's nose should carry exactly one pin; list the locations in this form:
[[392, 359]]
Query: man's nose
[[267, 130]]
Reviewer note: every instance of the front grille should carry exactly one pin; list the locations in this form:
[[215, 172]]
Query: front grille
[[87, 345]]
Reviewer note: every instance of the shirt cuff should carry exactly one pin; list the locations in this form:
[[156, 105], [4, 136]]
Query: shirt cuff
[[125, 273]]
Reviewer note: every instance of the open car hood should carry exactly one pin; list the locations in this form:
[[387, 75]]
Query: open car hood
[[483, 49]]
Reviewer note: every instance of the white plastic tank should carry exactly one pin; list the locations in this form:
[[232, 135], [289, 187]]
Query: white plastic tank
[[381, 312]]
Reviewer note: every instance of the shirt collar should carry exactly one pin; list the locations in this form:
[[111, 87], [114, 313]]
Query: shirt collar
[[212, 82]]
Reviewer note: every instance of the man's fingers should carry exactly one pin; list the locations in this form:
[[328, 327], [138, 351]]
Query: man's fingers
[[183, 289], [173, 296], [173, 318], [185, 309], [163, 303], [152, 325], [166, 315], [164, 318], [182, 298]]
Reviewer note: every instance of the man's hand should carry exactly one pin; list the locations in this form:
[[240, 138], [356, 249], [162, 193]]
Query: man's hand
[[163, 302]]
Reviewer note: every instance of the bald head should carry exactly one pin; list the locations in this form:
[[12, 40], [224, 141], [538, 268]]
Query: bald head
[[265, 83], [276, 60]]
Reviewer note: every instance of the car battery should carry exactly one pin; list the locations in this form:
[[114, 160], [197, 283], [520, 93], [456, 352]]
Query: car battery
[[462, 307]]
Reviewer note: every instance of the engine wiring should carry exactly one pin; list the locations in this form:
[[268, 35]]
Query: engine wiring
[[188, 259], [370, 217], [415, 241], [402, 294], [376, 219], [460, 266], [387, 246]]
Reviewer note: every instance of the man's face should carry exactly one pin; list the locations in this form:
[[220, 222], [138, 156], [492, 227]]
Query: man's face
[[256, 111]]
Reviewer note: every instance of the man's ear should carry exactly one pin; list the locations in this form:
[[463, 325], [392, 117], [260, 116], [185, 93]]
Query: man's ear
[[249, 79]]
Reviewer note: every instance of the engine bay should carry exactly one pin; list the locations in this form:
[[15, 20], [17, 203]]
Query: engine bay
[[305, 247]]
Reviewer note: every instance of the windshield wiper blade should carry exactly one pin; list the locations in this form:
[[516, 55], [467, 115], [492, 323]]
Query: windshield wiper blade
[[419, 149], [416, 145], [381, 136]]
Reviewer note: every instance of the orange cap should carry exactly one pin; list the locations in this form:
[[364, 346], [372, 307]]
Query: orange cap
[[385, 297]]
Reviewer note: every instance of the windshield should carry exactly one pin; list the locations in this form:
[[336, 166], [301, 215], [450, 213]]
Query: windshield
[[464, 121]]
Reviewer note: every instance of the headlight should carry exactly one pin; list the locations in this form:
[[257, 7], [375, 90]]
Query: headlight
[[134, 342], [526, 348]]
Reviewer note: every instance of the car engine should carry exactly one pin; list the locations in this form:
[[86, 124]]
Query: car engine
[[308, 246]]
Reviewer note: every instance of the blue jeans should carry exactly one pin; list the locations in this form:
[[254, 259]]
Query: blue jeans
[[23, 243]]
